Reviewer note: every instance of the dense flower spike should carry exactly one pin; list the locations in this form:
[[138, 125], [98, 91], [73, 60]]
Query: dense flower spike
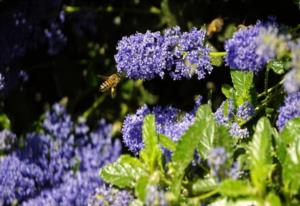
[[168, 122], [142, 56], [60, 166], [175, 53], [242, 49], [290, 109], [107, 195]]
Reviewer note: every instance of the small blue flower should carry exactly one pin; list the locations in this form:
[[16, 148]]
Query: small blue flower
[[290, 109]]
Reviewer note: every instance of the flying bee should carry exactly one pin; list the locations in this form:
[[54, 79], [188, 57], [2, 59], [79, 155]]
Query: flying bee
[[111, 83], [215, 26]]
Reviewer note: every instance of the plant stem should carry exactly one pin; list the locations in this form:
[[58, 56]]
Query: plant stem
[[95, 105], [270, 89], [217, 54]]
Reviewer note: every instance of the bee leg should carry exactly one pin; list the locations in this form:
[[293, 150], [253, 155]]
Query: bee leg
[[113, 92]]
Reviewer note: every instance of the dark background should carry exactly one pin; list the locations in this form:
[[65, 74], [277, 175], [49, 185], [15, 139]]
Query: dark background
[[68, 66]]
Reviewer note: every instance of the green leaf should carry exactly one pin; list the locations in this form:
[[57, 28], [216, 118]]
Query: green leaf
[[186, 146], [291, 168], [125, 172], [227, 90], [242, 82], [236, 188], [203, 185], [260, 150], [208, 131], [289, 134], [4, 122], [141, 188], [151, 153], [273, 200], [278, 66], [167, 142], [136, 202]]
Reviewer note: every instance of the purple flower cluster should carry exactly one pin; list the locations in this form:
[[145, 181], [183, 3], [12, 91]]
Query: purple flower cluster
[[170, 121], [59, 165], [155, 196], [244, 51], [173, 52], [1, 81], [245, 111], [107, 195], [7, 140], [292, 78], [228, 116], [217, 161], [290, 109]]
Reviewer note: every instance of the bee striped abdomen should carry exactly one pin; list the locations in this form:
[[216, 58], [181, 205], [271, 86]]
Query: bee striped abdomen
[[111, 82]]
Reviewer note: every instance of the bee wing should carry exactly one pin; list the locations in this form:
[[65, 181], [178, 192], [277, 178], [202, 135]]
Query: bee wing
[[102, 77]]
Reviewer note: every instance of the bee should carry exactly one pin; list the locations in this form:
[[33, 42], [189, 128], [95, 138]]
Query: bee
[[215, 26], [111, 83]]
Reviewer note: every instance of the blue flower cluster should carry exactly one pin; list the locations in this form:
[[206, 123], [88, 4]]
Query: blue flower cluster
[[7, 140], [113, 197], [155, 196], [292, 78], [170, 121], [228, 116], [173, 52], [290, 109], [59, 165], [1, 82], [217, 160], [244, 50]]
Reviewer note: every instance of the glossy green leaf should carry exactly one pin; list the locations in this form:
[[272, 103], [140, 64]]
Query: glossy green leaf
[[186, 146], [227, 90], [166, 142], [125, 172], [242, 82], [278, 66], [203, 185], [208, 131], [289, 134], [141, 188], [235, 188], [260, 150], [151, 153], [273, 200], [4, 121]]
